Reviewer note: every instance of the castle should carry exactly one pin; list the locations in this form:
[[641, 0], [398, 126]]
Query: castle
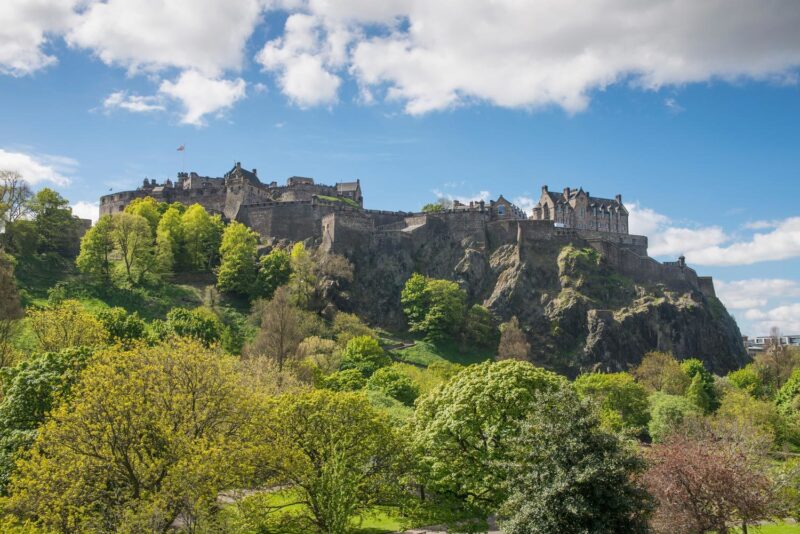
[[335, 218]]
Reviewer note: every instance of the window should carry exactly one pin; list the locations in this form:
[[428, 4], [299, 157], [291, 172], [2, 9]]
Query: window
[[501, 210]]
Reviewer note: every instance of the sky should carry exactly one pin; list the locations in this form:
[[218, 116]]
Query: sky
[[689, 109]]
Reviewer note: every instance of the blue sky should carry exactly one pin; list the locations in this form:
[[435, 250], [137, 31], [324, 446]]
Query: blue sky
[[700, 137]]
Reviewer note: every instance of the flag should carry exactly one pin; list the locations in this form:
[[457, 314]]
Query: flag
[[181, 148]]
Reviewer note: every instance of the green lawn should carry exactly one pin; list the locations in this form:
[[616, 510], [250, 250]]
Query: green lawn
[[348, 201], [426, 353], [779, 528]]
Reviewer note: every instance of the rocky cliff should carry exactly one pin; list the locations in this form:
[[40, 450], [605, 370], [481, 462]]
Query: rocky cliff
[[578, 310]]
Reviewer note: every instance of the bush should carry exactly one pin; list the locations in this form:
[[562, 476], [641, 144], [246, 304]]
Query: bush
[[622, 401], [365, 354], [395, 384], [346, 380], [121, 326], [668, 413], [200, 324]]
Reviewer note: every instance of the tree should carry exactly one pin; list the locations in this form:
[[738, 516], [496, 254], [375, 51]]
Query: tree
[[433, 307], [703, 483], [622, 401], [202, 237], [134, 242], [346, 326], [122, 327], [97, 248], [463, 432], [776, 362], [740, 410], [704, 394], [393, 383], [274, 270], [170, 241], [660, 371], [567, 475], [303, 280], [146, 207], [151, 435], [513, 342], [237, 270], [14, 196], [200, 323], [280, 332], [479, 329], [346, 380], [65, 325], [55, 227], [322, 353], [10, 308], [748, 379], [31, 390], [668, 413], [338, 454], [439, 206], [365, 354]]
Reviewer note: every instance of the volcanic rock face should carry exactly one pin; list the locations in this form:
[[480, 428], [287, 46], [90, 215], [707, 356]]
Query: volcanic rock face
[[578, 311]]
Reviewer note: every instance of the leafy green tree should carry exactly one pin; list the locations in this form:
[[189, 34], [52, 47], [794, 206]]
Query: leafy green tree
[[146, 207], [338, 453], [346, 380], [65, 325], [134, 243], [237, 270], [748, 379], [365, 354], [10, 308], [202, 237], [151, 434], [660, 371], [395, 384], [346, 326], [463, 432], [742, 411], [303, 280], [201, 324], [169, 241], [55, 227], [567, 475], [97, 249], [698, 394], [693, 367], [274, 271], [622, 401], [433, 307], [668, 413], [479, 328], [31, 390], [121, 326]]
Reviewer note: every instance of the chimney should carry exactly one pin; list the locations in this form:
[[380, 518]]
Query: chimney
[[255, 171], [238, 164], [618, 198], [544, 189], [566, 192]]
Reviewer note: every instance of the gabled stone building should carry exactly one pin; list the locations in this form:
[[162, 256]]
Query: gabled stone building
[[576, 208]]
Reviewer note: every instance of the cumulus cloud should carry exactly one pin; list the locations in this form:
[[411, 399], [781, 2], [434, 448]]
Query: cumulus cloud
[[464, 199], [755, 292], [86, 210], [132, 103], [201, 95], [785, 317], [781, 243], [26, 28], [668, 239], [38, 168]]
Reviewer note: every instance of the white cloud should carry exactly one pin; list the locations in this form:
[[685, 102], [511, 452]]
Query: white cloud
[[464, 199], [755, 292], [785, 317], [760, 225], [86, 210], [667, 239], [38, 168], [132, 103], [201, 95], [526, 204], [208, 36], [26, 28], [781, 243], [673, 105]]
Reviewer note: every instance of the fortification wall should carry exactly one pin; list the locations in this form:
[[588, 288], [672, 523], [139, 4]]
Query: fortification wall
[[211, 198]]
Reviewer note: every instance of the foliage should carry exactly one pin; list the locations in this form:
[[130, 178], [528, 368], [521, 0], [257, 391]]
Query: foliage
[[463, 432], [31, 390], [303, 280], [65, 325], [281, 329], [10, 309], [149, 208], [200, 323], [237, 270], [788, 397], [134, 243], [748, 379], [346, 326], [121, 326], [337, 452], [704, 483], [202, 236], [622, 401], [513, 342], [274, 270], [322, 354], [346, 380], [365, 354], [567, 475], [433, 207], [395, 384], [97, 248], [776, 363], [14, 196], [165, 427], [170, 255], [740, 410], [660, 371], [703, 393], [479, 328], [433, 307], [55, 229], [668, 413]]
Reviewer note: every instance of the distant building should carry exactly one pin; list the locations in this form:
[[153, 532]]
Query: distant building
[[759, 343], [575, 208]]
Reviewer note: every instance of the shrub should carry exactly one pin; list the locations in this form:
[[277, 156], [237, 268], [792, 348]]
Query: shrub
[[394, 384]]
